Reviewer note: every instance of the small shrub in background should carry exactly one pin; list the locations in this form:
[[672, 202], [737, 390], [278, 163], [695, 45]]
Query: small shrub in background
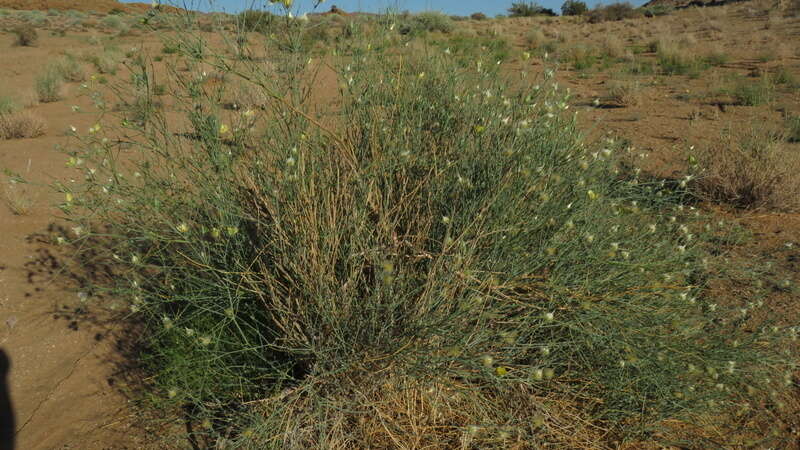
[[478, 16], [428, 21], [612, 12], [255, 21], [19, 125], [26, 35], [49, 85], [657, 10], [749, 169], [529, 9], [113, 22], [574, 8]]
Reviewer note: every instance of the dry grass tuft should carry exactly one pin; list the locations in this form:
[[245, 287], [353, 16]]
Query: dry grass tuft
[[21, 125], [752, 169]]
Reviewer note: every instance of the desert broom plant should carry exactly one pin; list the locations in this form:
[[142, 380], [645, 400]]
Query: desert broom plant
[[443, 261]]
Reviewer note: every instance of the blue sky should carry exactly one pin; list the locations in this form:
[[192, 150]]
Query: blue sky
[[456, 7]]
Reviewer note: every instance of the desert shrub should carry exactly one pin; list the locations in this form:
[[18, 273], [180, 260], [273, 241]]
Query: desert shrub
[[612, 12], [19, 125], [26, 35], [749, 169], [430, 266], [467, 48], [529, 9], [574, 8], [49, 85], [478, 16], [535, 39]]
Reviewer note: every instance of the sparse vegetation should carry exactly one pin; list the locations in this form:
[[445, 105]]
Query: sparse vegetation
[[749, 169], [430, 21]]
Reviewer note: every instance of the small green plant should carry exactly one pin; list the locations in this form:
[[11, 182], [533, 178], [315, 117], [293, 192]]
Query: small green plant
[[49, 85], [574, 8], [26, 35]]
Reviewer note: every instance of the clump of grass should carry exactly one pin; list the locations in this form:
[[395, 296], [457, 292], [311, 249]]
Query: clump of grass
[[70, 69], [19, 125], [16, 198], [107, 61], [750, 169], [675, 60], [7, 104], [465, 295], [748, 93], [26, 35], [612, 47], [582, 56], [716, 57], [793, 129], [624, 92], [535, 39], [49, 85]]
